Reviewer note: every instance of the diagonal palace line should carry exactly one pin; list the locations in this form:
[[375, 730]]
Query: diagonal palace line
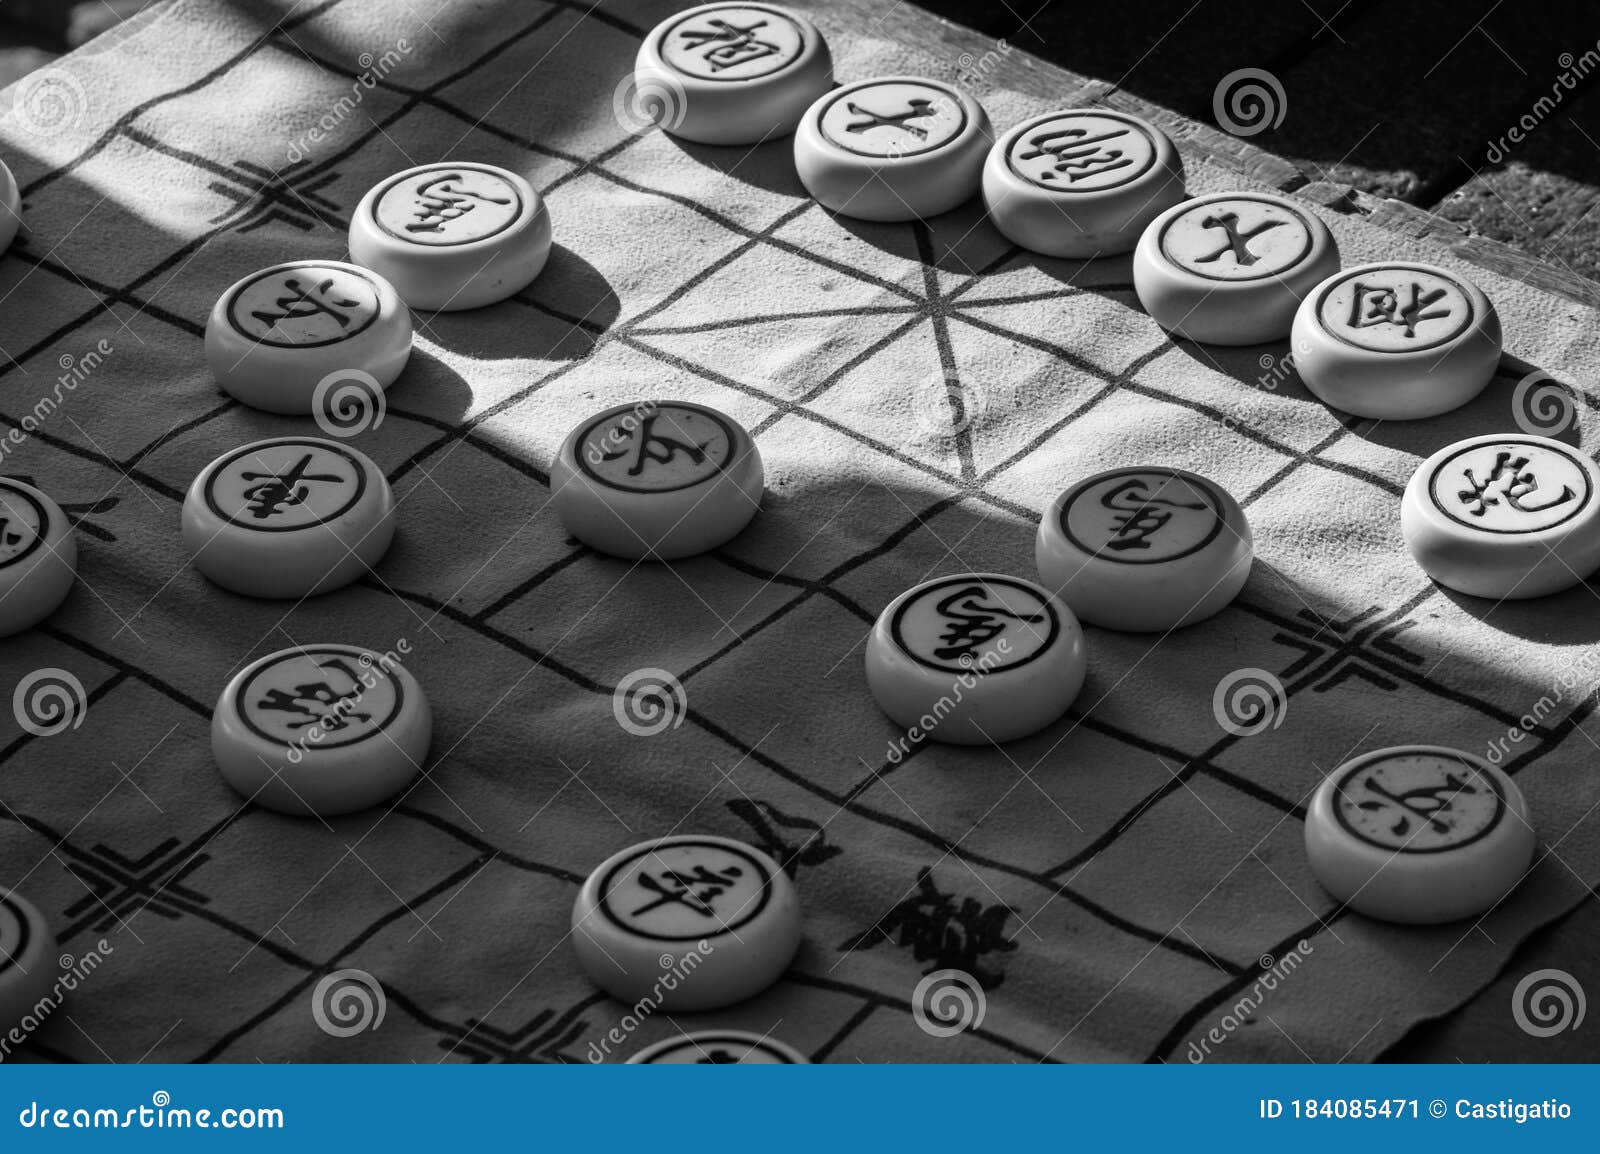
[[841, 371], [465, 428], [941, 339], [841, 313]]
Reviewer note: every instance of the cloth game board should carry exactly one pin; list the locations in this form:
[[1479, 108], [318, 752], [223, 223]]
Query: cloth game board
[[1120, 887]]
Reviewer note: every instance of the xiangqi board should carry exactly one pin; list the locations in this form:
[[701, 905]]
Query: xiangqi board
[[919, 394]]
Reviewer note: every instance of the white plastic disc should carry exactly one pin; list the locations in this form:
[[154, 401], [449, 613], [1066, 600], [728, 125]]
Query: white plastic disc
[[1418, 834], [693, 922], [288, 517], [1505, 516], [452, 236], [321, 729], [975, 659], [1231, 268]]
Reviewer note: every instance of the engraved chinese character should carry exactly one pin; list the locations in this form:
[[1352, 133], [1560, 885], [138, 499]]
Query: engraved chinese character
[[726, 44], [970, 622], [1516, 482], [1426, 804], [695, 889], [273, 493], [918, 108], [319, 702], [1378, 305], [1238, 243], [439, 201], [1077, 154], [649, 445], [307, 301], [1138, 513]]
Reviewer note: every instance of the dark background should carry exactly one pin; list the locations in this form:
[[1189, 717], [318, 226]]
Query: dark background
[[1397, 99]]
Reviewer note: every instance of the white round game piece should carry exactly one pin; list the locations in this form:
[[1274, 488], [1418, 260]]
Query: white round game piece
[[894, 148], [1231, 268], [452, 236], [27, 959], [321, 729], [38, 556], [1144, 550], [1418, 834], [719, 1048], [1396, 341], [1504, 516], [731, 73], [692, 922], [1080, 183], [975, 659], [10, 207], [289, 517], [657, 480], [276, 335]]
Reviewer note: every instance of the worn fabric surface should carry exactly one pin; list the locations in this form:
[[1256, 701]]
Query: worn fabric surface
[[1117, 883]]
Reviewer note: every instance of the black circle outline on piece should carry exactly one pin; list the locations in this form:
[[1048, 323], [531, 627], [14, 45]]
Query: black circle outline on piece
[[702, 1038], [274, 660], [1049, 118], [219, 465], [359, 274], [920, 592], [1220, 198], [1344, 278], [1433, 488], [1204, 487], [723, 423], [43, 531], [498, 173], [1381, 756], [603, 889], [11, 958], [783, 66], [867, 86]]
